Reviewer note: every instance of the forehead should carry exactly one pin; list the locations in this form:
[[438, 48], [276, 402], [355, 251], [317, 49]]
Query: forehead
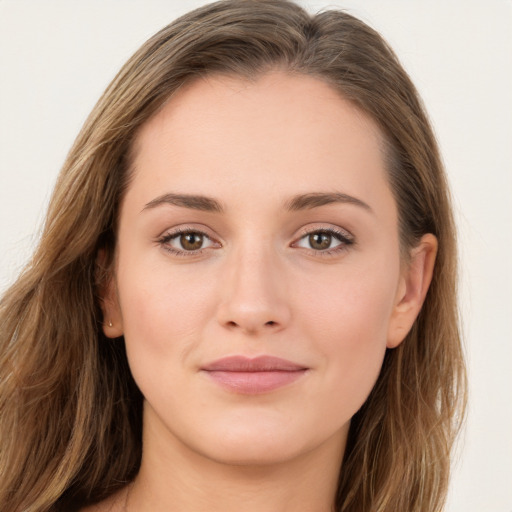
[[281, 131]]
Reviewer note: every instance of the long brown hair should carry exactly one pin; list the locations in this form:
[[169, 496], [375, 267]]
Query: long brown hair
[[70, 413]]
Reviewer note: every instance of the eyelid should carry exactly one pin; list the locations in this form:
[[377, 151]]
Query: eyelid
[[345, 238], [188, 228], [172, 233], [334, 230], [205, 239]]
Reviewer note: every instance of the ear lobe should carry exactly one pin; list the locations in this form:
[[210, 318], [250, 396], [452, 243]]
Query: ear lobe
[[412, 289], [109, 302]]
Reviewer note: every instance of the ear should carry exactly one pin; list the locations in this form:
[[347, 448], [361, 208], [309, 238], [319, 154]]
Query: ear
[[109, 301], [412, 289]]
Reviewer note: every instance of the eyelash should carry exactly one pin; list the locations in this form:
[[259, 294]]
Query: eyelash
[[343, 237], [165, 239]]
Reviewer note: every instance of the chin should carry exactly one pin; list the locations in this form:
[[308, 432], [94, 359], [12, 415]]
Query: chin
[[260, 443], [253, 453]]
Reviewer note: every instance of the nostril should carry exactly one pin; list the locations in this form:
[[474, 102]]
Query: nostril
[[270, 322]]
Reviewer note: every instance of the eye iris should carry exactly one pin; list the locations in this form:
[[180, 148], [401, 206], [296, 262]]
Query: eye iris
[[191, 241], [320, 241]]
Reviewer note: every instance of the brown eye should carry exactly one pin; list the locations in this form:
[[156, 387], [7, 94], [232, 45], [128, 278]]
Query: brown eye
[[325, 240], [191, 241], [320, 241], [186, 242]]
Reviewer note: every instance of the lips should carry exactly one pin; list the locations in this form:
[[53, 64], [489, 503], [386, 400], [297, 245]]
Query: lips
[[258, 375]]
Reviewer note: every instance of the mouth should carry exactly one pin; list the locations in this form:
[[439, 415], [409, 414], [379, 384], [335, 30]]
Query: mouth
[[251, 376]]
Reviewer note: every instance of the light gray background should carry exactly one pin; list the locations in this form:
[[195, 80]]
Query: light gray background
[[57, 56]]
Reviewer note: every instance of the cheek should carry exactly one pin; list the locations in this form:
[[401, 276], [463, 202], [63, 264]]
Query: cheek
[[348, 319], [163, 314], [350, 300]]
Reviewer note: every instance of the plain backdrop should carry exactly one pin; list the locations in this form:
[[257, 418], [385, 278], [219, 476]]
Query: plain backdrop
[[57, 56]]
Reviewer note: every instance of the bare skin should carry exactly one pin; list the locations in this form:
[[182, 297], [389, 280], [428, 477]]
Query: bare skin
[[293, 254]]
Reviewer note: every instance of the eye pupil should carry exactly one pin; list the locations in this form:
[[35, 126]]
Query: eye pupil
[[320, 241], [191, 241]]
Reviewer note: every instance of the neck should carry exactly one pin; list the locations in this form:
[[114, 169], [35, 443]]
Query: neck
[[175, 478]]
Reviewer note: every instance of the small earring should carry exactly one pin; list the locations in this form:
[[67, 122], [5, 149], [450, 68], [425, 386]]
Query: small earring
[[110, 323]]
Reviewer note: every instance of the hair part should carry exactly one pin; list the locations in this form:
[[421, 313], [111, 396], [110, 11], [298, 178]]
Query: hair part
[[70, 412]]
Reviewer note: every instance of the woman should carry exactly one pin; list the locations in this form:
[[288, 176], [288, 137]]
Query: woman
[[244, 295]]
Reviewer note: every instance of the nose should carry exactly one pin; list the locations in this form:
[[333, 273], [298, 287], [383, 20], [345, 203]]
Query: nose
[[254, 298]]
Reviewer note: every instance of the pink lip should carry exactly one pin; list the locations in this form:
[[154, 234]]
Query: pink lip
[[253, 376]]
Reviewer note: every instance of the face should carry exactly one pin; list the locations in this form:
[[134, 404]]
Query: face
[[258, 279]]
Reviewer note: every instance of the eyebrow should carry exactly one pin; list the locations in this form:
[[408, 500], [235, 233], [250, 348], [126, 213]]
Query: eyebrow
[[316, 199], [296, 203], [195, 202]]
